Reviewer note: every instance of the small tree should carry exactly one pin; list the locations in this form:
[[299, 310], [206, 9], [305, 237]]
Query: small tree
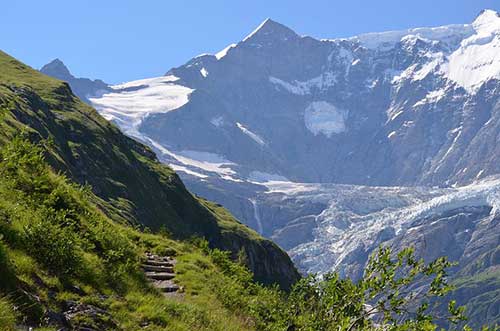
[[397, 292]]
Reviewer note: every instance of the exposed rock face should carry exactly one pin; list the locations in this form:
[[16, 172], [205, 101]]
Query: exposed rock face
[[81, 87]]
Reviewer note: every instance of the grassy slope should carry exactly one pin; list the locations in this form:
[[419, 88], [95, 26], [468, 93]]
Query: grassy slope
[[478, 287], [130, 184], [57, 247]]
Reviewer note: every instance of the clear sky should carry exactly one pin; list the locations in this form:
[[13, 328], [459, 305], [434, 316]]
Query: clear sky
[[125, 40]]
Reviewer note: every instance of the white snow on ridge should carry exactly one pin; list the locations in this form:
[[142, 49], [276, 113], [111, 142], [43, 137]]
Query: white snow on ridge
[[129, 103], [473, 57], [223, 52], [323, 117], [478, 57], [256, 29], [387, 39]]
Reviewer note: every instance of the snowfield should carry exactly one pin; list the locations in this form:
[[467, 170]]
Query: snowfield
[[129, 103], [323, 117]]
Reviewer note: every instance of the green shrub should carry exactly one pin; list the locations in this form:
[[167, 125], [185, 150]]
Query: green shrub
[[7, 315], [54, 246]]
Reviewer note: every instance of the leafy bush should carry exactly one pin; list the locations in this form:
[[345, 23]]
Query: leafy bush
[[7, 315], [397, 292], [54, 246]]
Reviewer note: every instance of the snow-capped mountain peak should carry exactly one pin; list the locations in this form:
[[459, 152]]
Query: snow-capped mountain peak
[[488, 19], [270, 30], [477, 60]]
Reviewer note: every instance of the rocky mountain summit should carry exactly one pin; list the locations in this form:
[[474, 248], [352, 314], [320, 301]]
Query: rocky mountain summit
[[82, 87]]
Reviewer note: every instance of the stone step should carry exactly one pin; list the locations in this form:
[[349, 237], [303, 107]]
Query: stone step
[[157, 257], [166, 286], [158, 268], [159, 263], [160, 275]]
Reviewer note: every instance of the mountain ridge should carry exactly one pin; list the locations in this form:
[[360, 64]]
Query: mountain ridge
[[83, 87]]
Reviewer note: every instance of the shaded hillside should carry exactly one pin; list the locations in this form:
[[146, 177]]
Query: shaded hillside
[[132, 185]]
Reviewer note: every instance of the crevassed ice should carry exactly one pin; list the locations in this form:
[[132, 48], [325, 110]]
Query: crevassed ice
[[369, 210]]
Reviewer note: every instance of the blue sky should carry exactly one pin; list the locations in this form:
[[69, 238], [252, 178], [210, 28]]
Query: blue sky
[[124, 40]]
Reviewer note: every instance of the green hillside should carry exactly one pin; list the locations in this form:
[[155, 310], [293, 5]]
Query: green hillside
[[131, 185]]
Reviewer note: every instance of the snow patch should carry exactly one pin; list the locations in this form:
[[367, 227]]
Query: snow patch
[[217, 121], [252, 135], [396, 115], [321, 82], [290, 188], [206, 161], [179, 168], [323, 117], [428, 67], [204, 72], [298, 89], [263, 177], [431, 97]]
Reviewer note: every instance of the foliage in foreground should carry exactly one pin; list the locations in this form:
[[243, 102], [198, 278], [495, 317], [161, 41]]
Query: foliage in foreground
[[397, 292], [55, 246]]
